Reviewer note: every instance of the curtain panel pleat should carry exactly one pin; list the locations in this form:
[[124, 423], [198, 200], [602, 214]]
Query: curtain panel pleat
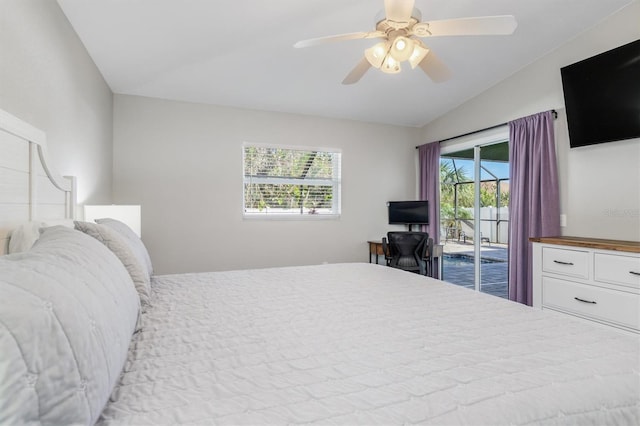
[[534, 204], [429, 163]]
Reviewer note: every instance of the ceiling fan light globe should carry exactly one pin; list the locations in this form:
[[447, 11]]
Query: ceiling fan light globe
[[390, 65], [402, 48], [418, 54], [376, 54]]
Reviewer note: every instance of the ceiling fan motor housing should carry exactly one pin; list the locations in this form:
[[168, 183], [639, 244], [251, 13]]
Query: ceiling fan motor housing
[[381, 18]]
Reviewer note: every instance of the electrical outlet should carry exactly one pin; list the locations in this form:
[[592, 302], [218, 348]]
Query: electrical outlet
[[563, 220]]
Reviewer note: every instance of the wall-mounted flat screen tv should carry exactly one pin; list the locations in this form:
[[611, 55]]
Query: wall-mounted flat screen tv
[[602, 96], [408, 212]]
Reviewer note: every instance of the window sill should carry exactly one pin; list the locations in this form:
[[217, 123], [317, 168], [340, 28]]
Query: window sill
[[296, 217]]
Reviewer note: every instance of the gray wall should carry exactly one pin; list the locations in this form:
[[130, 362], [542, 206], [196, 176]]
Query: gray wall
[[183, 163], [600, 185], [48, 80]]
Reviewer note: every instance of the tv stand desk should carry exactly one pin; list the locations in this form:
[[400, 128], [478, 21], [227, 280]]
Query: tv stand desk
[[375, 249]]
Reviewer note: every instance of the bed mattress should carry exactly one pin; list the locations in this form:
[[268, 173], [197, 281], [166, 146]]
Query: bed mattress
[[365, 344]]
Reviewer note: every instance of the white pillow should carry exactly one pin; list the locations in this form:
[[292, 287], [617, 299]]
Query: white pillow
[[68, 310], [55, 222], [136, 243], [24, 236], [131, 260]]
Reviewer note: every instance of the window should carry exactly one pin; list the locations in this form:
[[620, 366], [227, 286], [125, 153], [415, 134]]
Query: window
[[291, 182]]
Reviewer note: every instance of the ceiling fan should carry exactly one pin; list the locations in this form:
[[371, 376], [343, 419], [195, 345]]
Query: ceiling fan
[[400, 28]]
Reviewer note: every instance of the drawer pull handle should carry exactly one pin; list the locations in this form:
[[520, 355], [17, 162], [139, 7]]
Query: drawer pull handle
[[559, 262], [585, 301], [634, 273]]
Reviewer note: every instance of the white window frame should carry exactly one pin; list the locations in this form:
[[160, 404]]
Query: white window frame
[[335, 182]]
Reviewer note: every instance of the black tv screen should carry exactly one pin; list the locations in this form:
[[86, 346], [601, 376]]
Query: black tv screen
[[408, 212], [602, 96]]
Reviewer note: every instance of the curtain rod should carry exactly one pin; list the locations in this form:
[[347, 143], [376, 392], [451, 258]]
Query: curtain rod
[[553, 111]]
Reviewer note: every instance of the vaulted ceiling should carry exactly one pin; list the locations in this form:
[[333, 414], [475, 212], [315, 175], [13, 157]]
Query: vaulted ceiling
[[240, 52]]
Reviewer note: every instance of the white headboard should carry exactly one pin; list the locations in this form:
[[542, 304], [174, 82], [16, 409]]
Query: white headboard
[[29, 189]]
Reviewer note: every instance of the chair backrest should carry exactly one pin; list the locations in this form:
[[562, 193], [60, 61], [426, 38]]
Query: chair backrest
[[408, 250]]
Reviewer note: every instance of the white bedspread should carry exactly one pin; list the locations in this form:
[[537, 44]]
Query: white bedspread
[[366, 344]]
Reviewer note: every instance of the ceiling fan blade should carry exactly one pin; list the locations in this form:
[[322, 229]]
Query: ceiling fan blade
[[399, 10], [484, 25], [356, 74], [435, 68], [340, 37]]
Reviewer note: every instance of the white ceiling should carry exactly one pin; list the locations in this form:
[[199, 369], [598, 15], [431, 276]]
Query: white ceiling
[[240, 52]]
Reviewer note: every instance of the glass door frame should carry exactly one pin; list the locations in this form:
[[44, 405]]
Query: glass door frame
[[476, 142], [477, 179]]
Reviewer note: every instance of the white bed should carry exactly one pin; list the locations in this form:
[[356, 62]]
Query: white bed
[[365, 344], [87, 335]]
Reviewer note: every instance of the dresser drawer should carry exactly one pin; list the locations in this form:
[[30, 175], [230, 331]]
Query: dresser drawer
[[599, 303], [572, 263], [616, 269]]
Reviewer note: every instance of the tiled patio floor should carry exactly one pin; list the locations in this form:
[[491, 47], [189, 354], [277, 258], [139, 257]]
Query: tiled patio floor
[[494, 274]]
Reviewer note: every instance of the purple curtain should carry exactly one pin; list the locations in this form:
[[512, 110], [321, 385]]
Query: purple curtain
[[429, 160], [534, 204]]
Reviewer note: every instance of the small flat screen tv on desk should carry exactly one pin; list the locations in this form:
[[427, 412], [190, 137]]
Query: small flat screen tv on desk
[[408, 212]]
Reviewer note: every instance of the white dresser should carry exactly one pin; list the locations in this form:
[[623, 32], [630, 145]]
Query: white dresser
[[598, 280]]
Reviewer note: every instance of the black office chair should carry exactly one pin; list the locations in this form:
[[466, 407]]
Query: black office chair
[[408, 251], [429, 257]]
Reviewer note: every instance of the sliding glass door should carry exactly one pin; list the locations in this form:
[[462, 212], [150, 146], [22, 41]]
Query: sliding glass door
[[474, 214]]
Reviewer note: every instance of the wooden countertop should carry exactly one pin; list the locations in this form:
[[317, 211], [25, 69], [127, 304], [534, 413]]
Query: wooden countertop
[[595, 243]]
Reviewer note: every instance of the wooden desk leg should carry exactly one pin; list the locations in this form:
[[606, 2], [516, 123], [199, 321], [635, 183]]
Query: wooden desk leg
[[375, 249], [378, 250]]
